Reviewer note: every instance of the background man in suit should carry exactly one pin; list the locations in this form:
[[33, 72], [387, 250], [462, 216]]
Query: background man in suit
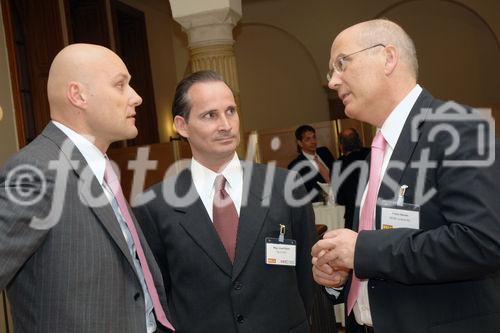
[[69, 246], [313, 163], [212, 256], [352, 151], [437, 271]]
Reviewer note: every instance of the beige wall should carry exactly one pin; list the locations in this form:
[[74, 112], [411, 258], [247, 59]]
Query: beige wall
[[282, 52], [8, 135], [459, 56], [159, 29], [279, 81]]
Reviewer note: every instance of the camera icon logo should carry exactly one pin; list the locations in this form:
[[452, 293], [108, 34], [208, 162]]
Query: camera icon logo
[[447, 119]]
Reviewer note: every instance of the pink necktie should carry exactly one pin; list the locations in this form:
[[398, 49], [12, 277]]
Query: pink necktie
[[323, 171], [225, 217], [368, 210], [112, 180]]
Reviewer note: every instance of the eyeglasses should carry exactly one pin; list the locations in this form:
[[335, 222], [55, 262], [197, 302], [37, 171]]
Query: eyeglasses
[[340, 64]]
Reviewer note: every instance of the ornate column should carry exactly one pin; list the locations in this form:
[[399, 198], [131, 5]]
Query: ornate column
[[209, 26]]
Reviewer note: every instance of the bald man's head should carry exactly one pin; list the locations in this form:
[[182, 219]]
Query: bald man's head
[[383, 31], [349, 140], [74, 63], [88, 90], [369, 60]]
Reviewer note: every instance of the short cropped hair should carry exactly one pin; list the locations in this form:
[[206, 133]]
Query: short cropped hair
[[299, 132]]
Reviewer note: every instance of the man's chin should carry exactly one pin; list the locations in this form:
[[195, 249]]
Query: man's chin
[[131, 134], [349, 112]]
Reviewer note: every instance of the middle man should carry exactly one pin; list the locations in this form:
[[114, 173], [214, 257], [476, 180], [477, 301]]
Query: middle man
[[209, 227]]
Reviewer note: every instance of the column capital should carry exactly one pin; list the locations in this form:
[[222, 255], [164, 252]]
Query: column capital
[[212, 27]]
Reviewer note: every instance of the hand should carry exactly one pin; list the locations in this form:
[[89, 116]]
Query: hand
[[336, 249], [334, 279]]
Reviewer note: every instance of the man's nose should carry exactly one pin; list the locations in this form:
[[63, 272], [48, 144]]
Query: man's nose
[[135, 99], [335, 81], [224, 123]]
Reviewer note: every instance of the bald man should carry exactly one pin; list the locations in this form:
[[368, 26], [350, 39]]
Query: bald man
[[72, 256], [424, 252]]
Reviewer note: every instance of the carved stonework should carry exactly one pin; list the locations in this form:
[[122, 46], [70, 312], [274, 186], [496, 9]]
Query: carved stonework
[[219, 58]]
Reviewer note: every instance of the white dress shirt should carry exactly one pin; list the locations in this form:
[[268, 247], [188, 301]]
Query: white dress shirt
[[204, 181], [391, 130], [311, 157]]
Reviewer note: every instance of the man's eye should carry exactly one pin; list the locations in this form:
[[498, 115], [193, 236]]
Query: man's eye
[[341, 64], [231, 111], [209, 115]]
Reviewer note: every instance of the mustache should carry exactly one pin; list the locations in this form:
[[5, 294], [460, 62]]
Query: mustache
[[225, 135]]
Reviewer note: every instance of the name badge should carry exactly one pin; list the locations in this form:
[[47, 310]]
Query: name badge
[[395, 215], [280, 252]]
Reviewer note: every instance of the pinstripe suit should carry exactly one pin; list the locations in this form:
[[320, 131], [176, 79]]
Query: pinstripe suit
[[78, 275]]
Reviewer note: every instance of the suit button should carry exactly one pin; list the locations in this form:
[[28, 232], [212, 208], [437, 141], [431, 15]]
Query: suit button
[[237, 285], [136, 296], [240, 319]]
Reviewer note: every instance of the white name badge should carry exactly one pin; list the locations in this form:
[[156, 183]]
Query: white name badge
[[400, 216], [280, 253]]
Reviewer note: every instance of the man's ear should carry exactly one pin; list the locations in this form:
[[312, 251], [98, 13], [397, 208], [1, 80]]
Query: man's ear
[[391, 59], [76, 94], [181, 126], [299, 143]]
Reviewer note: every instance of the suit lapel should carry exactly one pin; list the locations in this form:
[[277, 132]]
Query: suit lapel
[[252, 216], [402, 152], [406, 144], [404, 148], [104, 213], [195, 220]]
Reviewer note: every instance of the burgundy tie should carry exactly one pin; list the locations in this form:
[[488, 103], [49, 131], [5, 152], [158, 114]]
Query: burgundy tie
[[368, 210], [323, 170], [112, 180], [225, 217]]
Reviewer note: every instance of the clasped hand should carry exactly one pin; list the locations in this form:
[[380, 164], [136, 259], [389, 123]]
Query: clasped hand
[[333, 257]]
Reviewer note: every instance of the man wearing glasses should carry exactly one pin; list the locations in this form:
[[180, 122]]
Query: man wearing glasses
[[425, 253]]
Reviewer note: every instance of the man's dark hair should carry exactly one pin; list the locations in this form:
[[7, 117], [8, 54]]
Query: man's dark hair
[[350, 140], [181, 105], [299, 132]]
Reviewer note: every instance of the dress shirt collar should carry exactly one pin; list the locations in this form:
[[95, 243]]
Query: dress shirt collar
[[309, 156], [204, 178], [393, 125], [94, 157]]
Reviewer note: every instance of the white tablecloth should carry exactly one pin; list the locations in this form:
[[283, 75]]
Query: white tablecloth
[[333, 217]]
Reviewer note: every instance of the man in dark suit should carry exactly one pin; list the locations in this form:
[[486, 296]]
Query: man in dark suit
[[313, 163], [69, 245], [213, 256], [426, 259], [352, 151]]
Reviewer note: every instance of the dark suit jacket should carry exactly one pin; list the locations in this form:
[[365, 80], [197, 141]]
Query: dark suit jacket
[[206, 292], [312, 184], [444, 277], [77, 276], [348, 190]]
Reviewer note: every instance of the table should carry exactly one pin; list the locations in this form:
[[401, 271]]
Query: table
[[332, 216]]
